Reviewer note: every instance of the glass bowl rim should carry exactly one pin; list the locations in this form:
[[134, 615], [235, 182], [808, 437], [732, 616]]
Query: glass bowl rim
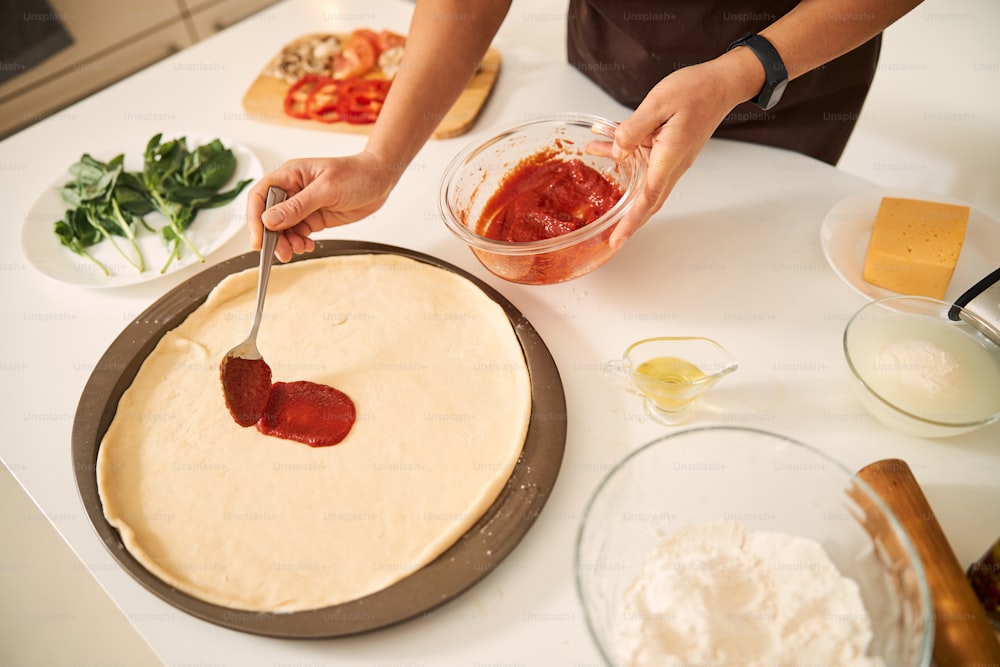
[[856, 374], [927, 641], [633, 188]]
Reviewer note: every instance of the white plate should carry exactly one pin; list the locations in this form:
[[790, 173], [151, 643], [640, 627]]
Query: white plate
[[210, 229], [848, 226]]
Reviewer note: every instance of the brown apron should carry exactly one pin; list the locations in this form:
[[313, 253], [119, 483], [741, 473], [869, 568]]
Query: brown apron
[[628, 46]]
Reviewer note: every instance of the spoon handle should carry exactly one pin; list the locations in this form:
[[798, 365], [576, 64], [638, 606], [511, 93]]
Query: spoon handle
[[275, 195]]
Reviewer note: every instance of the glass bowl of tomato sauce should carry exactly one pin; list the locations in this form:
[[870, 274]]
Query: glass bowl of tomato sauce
[[535, 202]]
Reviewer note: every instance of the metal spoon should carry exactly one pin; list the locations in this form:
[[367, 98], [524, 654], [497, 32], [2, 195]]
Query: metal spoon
[[246, 385]]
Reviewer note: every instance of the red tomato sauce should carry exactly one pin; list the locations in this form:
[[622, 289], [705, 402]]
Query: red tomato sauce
[[246, 384], [544, 197], [307, 412]]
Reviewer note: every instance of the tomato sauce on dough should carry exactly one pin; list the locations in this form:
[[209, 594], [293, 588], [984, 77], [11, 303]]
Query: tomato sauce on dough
[[306, 412], [544, 197]]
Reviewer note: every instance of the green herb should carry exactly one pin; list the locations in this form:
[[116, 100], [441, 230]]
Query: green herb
[[108, 202], [180, 183], [93, 194], [76, 233]]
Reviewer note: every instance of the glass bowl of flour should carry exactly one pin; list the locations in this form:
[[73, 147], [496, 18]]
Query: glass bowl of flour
[[924, 366], [734, 546]]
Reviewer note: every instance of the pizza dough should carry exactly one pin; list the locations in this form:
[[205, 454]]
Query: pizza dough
[[247, 521]]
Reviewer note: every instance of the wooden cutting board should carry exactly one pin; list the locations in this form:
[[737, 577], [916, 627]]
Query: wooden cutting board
[[264, 101]]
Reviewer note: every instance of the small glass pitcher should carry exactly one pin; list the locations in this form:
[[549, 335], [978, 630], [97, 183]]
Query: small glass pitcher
[[670, 373]]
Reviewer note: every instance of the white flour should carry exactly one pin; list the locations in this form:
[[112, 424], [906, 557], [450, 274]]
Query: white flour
[[921, 365], [721, 595]]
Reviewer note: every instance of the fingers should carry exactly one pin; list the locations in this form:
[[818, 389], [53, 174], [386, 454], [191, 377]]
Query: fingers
[[640, 213], [293, 210], [674, 120], [648, 201], [642, 209], [598, 147], [299, 238], [293, 242], [256, 198], [285, 177], [636, 130], [667, 162], [322, 193], [283, 249], [287, 217], [659, 181], [645, 130]]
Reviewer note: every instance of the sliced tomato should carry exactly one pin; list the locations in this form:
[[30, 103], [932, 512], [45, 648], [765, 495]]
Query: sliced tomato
[[357, 58], [367, 34], [387, 39], [344, 64], [299, 92]]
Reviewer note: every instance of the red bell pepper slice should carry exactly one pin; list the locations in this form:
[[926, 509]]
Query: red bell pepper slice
[[324, 102], [362, 99], [327, 100], [298, 95]]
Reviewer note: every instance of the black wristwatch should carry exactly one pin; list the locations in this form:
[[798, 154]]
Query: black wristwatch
[[774, 69]]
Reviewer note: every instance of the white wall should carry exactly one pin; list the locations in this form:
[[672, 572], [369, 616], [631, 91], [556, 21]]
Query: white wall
[[932, 118]]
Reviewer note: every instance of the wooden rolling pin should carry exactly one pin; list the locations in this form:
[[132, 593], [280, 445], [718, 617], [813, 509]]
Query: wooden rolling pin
[[962, 632]]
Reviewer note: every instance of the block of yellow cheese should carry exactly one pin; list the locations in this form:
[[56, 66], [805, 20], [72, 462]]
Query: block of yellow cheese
[[915, 245]]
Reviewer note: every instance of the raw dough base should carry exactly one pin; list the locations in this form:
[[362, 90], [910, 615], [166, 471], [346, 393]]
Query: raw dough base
[[253, 522]]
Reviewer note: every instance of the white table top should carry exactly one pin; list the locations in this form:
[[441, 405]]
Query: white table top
[[734, 255]]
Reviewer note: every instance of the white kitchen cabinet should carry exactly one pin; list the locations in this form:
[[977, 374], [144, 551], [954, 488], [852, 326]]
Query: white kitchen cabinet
[[209, 17], [111, 40]]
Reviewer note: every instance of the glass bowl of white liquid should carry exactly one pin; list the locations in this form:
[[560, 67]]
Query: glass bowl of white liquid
[[924, 366]]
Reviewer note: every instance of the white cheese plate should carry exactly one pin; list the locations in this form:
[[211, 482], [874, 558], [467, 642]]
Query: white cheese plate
[[847, 228]]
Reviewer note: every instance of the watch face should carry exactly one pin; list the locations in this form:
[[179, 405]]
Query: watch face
[[776, 94]]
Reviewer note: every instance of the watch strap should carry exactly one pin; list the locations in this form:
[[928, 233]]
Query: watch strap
[[775, 74]]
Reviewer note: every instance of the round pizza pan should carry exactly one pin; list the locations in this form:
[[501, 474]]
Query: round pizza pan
[[469, 560]]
